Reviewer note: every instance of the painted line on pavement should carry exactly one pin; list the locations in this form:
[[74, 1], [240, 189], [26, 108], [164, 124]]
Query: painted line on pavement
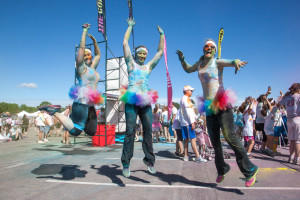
[[171, 186], [164, 159], [16, 165]]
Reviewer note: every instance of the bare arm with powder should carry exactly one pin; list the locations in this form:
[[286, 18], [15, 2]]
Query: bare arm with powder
[[231, 63], [97, 56], [80, 66], [160, 50], [126, 48], [187, 67]]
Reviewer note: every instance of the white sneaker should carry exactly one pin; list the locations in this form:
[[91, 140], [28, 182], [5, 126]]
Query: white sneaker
[[185, 158], [200, 160], [46, 140], [41, 142]]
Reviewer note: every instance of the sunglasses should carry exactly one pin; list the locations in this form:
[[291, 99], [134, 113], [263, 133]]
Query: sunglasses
[[209, 45]]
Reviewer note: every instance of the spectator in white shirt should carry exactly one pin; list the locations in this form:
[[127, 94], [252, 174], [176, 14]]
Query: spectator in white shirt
[[187, 121]]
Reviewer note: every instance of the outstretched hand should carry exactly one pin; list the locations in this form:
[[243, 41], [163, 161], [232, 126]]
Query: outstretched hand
[[130, 21], [161, 32], [86, 26], [92, 37], [180, 54], [239, 64], [281, 93]]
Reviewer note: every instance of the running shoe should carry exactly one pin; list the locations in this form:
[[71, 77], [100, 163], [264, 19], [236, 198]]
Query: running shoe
[[181, 155], [41, 142], [185, 158], [51, 109], [126, 172], [291, 159], [177, 154], [269, 152], [276, 153], [200, 160], [220, 178], [150, 167], [297, 161], [249, 182], [46, 140]]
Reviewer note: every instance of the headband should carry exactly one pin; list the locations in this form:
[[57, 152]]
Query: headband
[[141, 49], [211, 42], [87, 50]]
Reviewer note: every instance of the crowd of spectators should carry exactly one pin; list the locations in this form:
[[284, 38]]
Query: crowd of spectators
[[260, 122]]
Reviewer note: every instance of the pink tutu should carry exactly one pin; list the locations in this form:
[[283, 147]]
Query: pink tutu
[[93, 96], [139, 99], [223, 100]]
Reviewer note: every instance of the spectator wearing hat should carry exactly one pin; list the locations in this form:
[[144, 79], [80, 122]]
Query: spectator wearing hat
[[187, 120]]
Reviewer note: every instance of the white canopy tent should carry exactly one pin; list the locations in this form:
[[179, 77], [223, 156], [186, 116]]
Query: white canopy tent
[[35, 114], [22, 113]]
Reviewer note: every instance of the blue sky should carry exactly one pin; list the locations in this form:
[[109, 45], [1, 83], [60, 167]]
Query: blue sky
[[38, 41]]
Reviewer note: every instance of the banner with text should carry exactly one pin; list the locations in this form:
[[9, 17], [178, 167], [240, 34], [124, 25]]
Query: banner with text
[[101, 17]]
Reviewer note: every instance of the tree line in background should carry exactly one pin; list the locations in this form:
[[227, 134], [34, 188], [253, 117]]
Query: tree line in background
[[14, 108]]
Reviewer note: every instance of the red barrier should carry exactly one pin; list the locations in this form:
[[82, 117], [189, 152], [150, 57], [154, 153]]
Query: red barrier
[[100, 140]]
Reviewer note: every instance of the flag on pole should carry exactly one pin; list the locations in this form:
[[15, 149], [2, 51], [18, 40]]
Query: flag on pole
[[221, 34], [101, 17], [169, 84]]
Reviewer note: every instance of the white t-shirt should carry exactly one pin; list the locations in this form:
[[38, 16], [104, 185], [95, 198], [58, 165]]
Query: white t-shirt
[[269, 122], [188, 115], [292, 104], [248, 128], [259, 118], [277, 118], [48, 119], [39, 121], [174, 111], [176, 123]]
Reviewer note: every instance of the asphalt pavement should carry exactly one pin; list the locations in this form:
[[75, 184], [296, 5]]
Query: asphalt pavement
[[56, 171]]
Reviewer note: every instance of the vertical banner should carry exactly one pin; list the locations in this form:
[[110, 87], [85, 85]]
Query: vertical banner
[[101, 17], [221, 34], [130, 8], [131, 16], [169, 84]]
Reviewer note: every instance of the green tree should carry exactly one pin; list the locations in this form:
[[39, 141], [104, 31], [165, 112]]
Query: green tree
[[44, 103], [177, 105]]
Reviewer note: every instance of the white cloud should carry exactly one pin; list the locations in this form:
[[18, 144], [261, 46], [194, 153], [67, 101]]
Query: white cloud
[[28, 85]]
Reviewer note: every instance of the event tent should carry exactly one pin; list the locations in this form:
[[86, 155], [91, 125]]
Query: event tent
[[35, 114], [22, 113]]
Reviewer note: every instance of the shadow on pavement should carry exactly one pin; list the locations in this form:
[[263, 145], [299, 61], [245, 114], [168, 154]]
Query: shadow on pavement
[[175, 178], [166, 154], [112, 172], [75, 151], [68, 172]]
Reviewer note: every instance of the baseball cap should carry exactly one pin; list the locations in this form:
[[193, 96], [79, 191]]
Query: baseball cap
[[187, 87]]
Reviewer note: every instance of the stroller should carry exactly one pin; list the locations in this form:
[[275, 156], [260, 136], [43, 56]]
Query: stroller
[[205, 147]]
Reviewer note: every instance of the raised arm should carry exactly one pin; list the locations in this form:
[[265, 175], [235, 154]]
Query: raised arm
[[160, 50], [126, 48], [250, 106], [187, 67], [97, 53], [231, 63], [81, 68]]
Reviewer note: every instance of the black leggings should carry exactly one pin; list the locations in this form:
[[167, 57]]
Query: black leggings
[[260, 127], [84, 117]]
